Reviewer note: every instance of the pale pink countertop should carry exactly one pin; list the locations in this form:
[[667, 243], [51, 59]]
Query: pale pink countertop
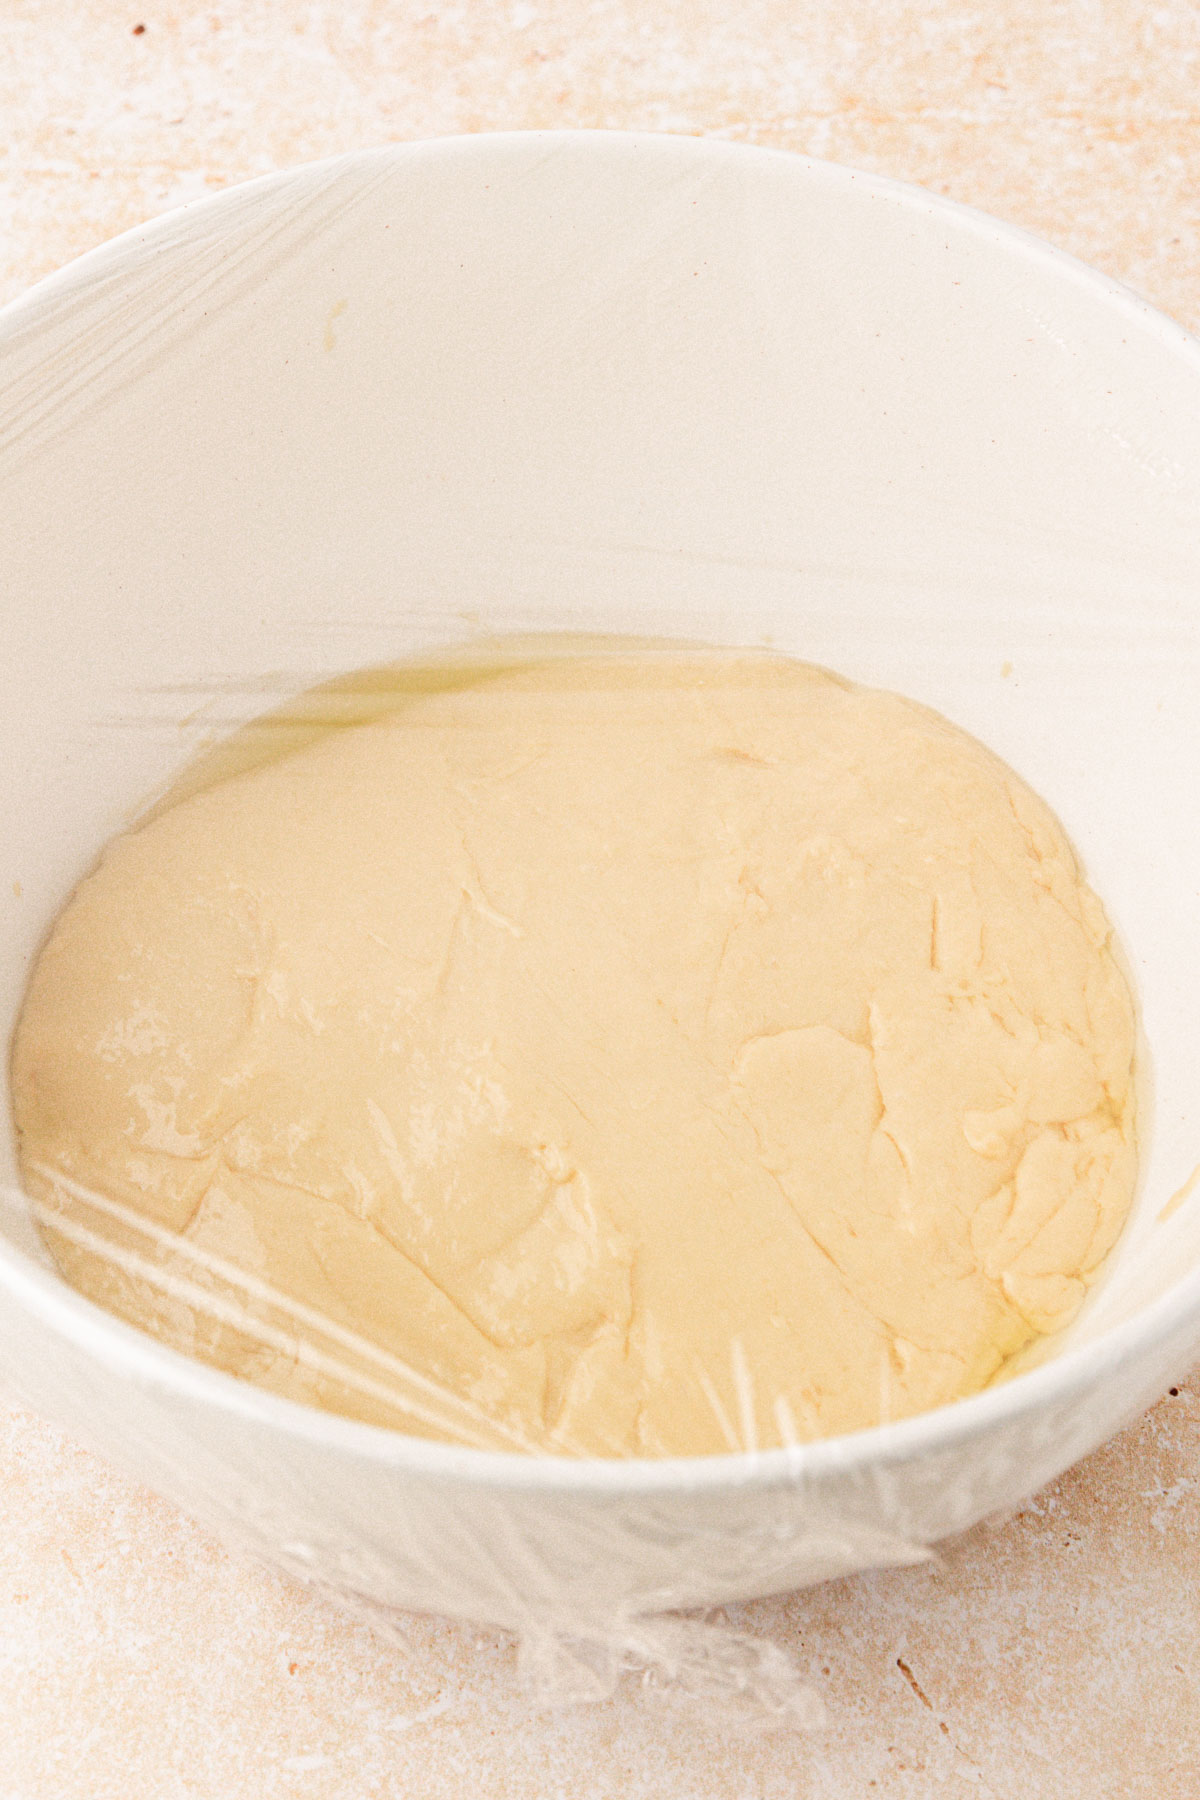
[[1054, 1655]]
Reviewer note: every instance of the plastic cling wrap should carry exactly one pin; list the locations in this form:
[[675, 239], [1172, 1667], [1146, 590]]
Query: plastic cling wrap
[[674, 390], [596, 1586]]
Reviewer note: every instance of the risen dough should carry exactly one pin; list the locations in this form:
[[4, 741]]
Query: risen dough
[[658, 1052]]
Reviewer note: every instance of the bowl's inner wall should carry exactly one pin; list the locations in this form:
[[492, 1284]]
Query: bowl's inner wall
[[634, 385]]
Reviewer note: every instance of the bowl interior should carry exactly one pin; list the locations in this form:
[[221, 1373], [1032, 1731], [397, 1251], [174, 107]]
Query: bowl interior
[[607, 383]]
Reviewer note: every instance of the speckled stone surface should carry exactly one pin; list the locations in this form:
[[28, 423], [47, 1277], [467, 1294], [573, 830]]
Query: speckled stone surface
[[1052, 1656]]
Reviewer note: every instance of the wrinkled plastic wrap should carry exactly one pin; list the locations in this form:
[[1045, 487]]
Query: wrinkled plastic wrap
[[597, 1580], [615, 385], [582, 1623]]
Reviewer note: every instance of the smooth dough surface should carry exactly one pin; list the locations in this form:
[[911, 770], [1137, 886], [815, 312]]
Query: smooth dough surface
[[653, 1053]]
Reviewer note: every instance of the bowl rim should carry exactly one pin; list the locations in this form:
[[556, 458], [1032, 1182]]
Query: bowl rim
[[123, 1350]]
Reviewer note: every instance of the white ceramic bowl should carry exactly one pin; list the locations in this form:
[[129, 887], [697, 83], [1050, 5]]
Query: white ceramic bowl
[[612, 383]]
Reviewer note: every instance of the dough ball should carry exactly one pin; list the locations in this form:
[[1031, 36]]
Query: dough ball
[[629, 1054]]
